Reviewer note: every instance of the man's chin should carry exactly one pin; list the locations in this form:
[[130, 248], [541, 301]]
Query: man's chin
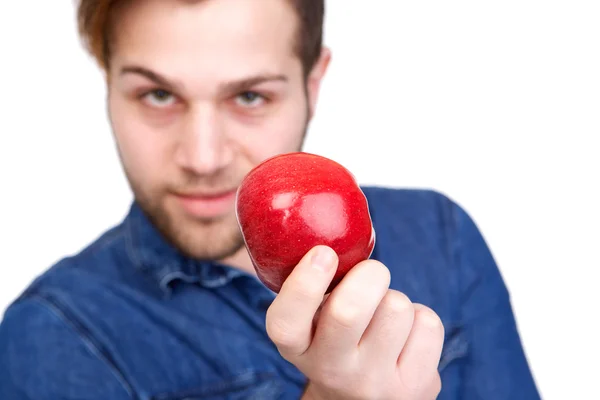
[[203, 238], [204, 249]]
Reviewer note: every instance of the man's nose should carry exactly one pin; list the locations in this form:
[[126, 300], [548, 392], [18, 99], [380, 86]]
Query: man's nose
[[205, 148]]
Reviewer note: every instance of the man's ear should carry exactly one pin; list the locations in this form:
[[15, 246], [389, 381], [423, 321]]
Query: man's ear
[[315, 77]]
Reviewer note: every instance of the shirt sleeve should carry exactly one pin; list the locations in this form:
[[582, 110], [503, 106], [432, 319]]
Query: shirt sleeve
[[44, 357], [496, 368]]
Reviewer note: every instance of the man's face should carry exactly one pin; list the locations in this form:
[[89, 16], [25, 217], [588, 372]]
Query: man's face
[[199, 93]]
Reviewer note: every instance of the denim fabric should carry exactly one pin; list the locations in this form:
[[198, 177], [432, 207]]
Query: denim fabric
[[131, 318]]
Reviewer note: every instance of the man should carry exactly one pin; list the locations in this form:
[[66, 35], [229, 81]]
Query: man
[[166, 305]]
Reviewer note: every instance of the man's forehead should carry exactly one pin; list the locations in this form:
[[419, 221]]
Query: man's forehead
[[207, 36], [274, 18]]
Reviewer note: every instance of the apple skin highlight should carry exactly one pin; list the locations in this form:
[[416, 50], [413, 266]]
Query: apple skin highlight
[[292, 202]]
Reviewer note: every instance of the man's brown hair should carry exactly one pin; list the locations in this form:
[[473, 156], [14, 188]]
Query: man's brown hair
[[94, 18]]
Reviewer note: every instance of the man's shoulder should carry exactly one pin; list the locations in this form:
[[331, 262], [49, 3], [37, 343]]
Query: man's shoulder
[[416, 238], [79, 272], [421, 224], [54, 302], [41, 317], [410, 205]]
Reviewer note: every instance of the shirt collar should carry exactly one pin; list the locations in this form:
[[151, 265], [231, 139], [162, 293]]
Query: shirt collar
[[153, 255]]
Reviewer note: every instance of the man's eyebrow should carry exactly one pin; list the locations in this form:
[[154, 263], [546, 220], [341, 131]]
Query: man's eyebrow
[[236, 86], [151, 75]]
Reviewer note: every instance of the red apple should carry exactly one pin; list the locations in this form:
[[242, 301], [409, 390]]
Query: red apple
[[292, 202]]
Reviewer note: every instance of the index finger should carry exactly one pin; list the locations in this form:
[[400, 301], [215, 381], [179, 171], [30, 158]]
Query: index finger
[[290, 317]]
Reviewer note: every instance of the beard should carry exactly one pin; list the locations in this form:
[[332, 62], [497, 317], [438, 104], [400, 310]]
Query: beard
[[198, 238], [204, 239]]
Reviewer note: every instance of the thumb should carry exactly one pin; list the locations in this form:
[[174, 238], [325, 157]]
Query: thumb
[[290, 316]]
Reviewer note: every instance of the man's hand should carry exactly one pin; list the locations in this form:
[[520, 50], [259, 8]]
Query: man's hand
[[364, 341]]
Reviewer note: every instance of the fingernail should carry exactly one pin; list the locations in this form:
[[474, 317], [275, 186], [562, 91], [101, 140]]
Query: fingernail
[[323, 258]]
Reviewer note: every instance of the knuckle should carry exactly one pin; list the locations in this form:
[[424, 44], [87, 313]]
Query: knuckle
[[344, 313], [397, 302], [428, 318], [282, 334], [377, 272]]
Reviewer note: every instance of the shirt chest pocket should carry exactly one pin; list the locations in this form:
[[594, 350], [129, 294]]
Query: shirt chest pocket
[[247, 386]]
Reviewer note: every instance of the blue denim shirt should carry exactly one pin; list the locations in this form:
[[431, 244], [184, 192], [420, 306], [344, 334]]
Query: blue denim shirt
[[131, 318]]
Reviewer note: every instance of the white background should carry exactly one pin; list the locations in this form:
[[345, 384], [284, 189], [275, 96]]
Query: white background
[[496, 104]]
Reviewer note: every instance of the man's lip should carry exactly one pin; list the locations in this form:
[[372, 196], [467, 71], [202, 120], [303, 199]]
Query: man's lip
[[206, 195], [206, 204]]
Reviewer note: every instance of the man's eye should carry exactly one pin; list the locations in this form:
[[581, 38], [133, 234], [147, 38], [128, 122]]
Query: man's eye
[[249, 99], [159, 98]]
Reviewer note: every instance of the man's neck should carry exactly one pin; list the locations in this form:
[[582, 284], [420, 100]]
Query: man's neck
[[240, 260]]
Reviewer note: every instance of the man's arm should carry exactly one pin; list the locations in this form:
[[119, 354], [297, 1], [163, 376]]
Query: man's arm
[[497, 367], [42, 356]]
